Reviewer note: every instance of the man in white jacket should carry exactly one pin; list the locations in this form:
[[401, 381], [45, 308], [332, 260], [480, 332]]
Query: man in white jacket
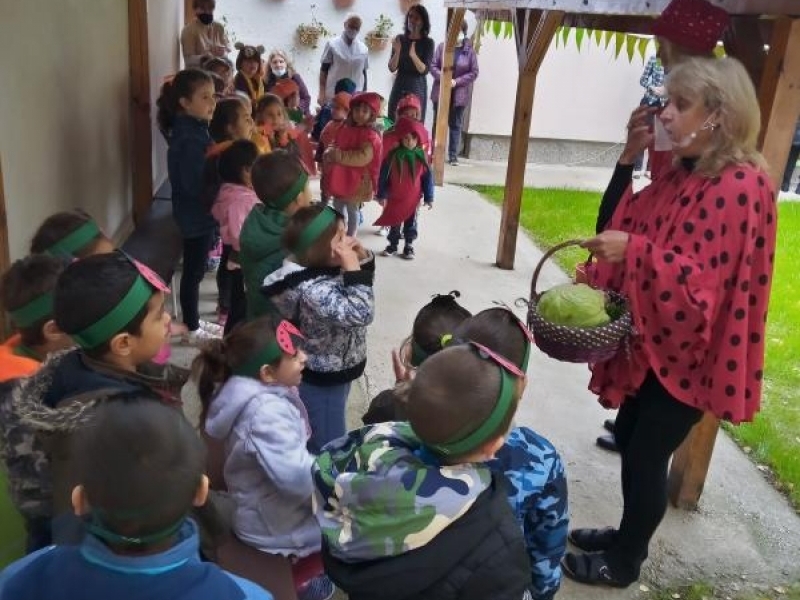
[[345, 57]]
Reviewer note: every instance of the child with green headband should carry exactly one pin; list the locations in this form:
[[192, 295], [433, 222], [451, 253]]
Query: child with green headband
[[253, 414], [535, 478], [70, 233], [139, 473], [27, 296], [113, 309], [412, 507], [325, 288], [281, 183]]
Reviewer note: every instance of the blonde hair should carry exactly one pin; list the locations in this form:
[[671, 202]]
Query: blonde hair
[[289, 66], [726, 90]]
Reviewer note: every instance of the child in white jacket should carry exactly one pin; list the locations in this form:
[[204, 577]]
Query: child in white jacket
[[248, 389]]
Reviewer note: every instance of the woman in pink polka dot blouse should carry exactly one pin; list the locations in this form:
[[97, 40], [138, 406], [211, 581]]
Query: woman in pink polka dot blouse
[[694, 254]]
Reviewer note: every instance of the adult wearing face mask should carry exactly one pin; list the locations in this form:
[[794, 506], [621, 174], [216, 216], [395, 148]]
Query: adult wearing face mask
[[412, 53], [204, 37], [279, 67], [346, 57], [465, 72]]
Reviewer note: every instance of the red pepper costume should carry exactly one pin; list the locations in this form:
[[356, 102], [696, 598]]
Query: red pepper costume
[[697, 273]]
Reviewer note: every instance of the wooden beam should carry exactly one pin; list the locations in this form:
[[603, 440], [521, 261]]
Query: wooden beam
[[141, 120], [687, 473], [743, 40], [779, 95], [535, 31], [5, 260], [454, 18]]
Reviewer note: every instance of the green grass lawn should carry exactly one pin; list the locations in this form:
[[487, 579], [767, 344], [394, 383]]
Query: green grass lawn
[[552, 216]]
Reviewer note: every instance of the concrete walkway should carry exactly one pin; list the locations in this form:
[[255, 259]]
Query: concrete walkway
[[744, 535]]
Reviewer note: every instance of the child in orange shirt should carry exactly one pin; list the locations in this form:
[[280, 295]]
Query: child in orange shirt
[[275, 130]]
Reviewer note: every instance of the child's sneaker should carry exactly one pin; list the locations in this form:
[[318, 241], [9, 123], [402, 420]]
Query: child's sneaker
[[408, 252], [382, 231], [199, 337], [319, 588], [390, 251], [212, 328]]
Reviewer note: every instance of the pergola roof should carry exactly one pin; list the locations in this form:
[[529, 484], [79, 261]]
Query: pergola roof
[[628, 7]]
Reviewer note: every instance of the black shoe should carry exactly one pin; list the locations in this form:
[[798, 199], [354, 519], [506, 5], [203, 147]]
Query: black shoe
[[607, 442], [453, 162], [408, 252], [593, 569], [609, 425], [592, 540], [390, 251]]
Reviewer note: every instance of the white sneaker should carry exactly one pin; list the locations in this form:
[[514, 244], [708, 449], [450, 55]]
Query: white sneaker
[[382, 231], [213, 328], [198, 337]]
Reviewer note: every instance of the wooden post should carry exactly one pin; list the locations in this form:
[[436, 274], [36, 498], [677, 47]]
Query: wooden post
[[534, 30], [141, 126], [5, 260], [454, 18], [687, 473], [743, 40], [780, 95]]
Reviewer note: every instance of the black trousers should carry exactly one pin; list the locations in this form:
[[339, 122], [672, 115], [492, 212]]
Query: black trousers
[[238, 307], [195, 252], [408, 231], [224, 280], [649, 428]]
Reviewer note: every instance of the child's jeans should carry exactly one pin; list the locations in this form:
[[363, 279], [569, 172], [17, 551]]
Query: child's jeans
[[195, 251], [350, 212], [325, 407], [408, 231]]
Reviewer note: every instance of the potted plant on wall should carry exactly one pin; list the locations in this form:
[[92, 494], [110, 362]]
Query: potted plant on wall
[[308, 34], [343, 3], [377, 38]]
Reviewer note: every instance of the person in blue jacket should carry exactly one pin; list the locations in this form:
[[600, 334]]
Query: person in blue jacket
[[141, 472]]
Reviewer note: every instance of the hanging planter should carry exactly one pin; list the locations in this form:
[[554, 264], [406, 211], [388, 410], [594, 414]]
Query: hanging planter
[[343, 3], [308, 34], [377, 38]]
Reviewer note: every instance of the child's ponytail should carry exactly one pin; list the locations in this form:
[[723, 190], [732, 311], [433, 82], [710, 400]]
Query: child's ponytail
[[180, 86], [227, 166], [214, 371]]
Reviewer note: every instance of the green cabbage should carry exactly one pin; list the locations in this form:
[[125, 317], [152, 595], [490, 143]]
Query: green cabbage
[[575, 305]]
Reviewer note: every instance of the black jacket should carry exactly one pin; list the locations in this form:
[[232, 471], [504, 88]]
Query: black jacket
[[480, 556]]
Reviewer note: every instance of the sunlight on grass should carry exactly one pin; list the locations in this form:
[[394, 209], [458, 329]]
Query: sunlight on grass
[[551, 216]]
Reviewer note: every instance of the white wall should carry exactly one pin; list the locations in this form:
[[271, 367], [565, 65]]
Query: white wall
[[64, 112], [586, 95], [273, 23], [164, 22]]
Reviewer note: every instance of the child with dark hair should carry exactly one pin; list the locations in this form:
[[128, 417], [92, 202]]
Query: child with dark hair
[[531, 464], [249, 78], [220, 67], [411, 510], [113, 309], [185, 107], [235, 200], [248, 389], [353, 160], [281, 183], [432, 330], [231, 121], [139, 472], [405, 178], [26, 290], [325, 288], [70, 233]]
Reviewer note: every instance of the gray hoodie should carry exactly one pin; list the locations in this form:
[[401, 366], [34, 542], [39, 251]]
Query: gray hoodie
[[267, 466]]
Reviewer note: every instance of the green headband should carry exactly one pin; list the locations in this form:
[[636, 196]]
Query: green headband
[[123, 313], [314, 229], [488, 427], [268, 355], [71, 243], [418, 355], [289, 195], [35, 310]]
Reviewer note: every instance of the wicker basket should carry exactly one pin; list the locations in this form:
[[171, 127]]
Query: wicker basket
[[577, 344]]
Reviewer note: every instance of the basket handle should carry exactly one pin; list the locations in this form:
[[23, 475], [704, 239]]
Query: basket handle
[[545, 256]]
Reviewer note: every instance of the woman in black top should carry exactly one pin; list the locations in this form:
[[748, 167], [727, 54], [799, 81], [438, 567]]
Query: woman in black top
[[412, 53]]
